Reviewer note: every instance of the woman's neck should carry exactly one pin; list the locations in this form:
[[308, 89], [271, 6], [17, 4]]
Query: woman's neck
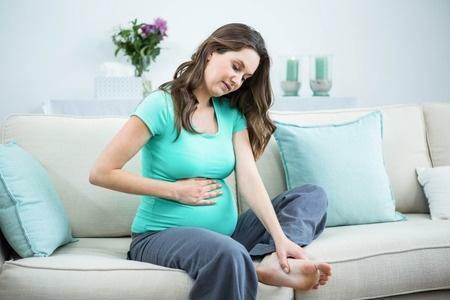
[[202, 96]]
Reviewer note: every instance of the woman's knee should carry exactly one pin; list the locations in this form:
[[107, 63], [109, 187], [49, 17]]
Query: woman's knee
[[232, 250], [319, 193]]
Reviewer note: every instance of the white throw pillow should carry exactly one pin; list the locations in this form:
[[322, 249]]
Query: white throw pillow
[[436, 186]]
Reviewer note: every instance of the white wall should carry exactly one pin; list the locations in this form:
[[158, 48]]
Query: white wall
[[385, 51]]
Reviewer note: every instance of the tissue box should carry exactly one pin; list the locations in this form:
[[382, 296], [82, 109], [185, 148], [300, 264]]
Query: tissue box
[[118, 87]]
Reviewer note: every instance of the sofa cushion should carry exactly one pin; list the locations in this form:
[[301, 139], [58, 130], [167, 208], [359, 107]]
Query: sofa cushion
[[385, 264], [31, 215], [97, 267], [346, 160], [404, 147], [384, 259], [436, 185], [437, 119]]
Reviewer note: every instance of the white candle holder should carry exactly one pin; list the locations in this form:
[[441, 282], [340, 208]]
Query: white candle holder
[[321, 87], [290, 88]]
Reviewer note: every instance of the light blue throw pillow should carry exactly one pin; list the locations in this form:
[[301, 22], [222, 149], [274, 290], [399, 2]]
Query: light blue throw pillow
[[32, 218], [347, 161]]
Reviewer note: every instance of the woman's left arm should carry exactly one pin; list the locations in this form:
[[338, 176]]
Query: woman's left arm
[[250, 185]]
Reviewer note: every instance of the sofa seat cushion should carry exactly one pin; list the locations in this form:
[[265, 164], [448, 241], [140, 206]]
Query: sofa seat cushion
[[370, 260], [96, 268], [384, 259]]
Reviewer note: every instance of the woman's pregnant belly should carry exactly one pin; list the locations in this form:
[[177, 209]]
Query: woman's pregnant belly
[[220, 217]]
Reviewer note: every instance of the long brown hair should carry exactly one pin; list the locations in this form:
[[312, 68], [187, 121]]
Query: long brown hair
[[253, 98]]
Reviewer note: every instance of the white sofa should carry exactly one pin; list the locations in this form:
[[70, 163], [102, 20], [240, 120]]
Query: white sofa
[[408, 259]]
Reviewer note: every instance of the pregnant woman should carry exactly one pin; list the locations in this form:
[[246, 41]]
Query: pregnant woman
[[211, 119]]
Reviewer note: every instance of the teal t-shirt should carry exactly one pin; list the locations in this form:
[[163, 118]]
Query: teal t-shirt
[[191, 155]]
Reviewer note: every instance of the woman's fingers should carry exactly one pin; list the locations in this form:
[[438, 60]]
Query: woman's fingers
[[214, 186], [211, 187], [208, 188], [205, 199], [212, 194], [206, 181], [206, 202]]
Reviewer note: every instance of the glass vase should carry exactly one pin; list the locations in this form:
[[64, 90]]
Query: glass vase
[[146, 84]]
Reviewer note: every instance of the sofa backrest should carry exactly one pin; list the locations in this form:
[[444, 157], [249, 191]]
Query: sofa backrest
[[437, 120], [404, 147], [67, 147]]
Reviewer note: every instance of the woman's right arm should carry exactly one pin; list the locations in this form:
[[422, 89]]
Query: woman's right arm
[[107, 170]]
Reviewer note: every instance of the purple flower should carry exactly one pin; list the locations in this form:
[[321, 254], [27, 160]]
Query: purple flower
[[148, 29], [161, 25]]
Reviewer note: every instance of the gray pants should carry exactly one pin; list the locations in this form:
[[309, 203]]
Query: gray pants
[[221, 266]]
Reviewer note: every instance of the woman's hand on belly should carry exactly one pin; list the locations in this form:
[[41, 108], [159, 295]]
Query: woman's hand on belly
[[220, 217], [196, 191]]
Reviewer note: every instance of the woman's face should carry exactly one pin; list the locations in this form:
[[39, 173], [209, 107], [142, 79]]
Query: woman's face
[[226, 72]]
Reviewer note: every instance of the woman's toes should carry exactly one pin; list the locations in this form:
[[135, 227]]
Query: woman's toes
[[325, 278], [324, 268]]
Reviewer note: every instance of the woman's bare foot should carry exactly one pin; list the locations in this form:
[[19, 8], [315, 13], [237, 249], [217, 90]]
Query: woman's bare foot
[[304, 274]]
